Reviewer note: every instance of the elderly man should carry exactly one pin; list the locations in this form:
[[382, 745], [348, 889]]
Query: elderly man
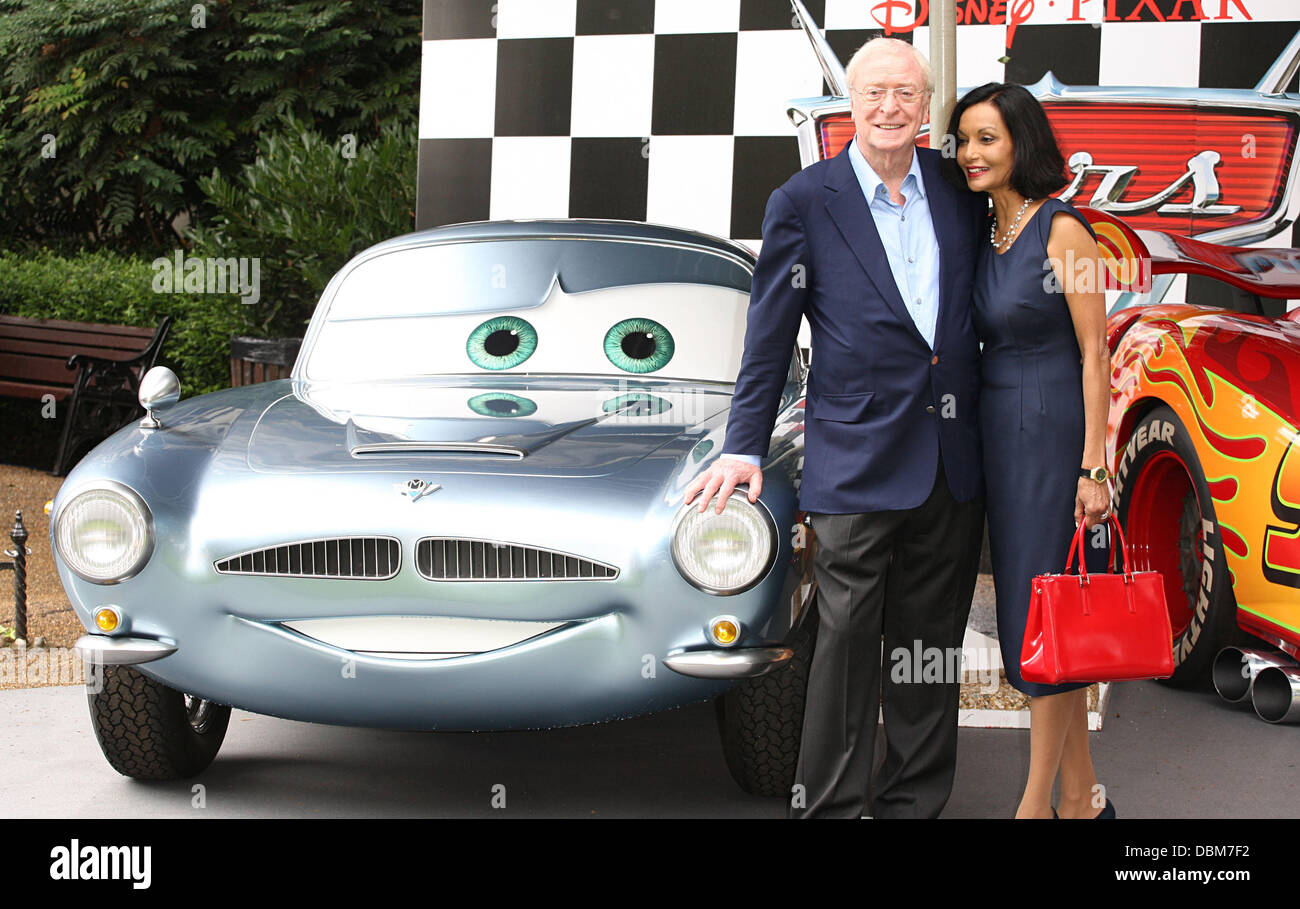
[[878, 251]]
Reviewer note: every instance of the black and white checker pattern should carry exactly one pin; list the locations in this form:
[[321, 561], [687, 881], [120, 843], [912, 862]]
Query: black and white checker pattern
[[673, 111]]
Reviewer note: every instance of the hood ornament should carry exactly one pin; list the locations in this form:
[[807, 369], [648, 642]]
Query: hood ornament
[[416, 489]]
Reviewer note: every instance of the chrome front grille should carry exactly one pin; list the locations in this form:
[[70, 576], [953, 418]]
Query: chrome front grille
[[452, 559], [361, 558]]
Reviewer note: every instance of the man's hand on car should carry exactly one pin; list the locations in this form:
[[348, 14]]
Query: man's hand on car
[[722, 478]]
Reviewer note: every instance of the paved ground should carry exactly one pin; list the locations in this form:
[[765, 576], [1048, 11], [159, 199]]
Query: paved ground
[[1162, 753]]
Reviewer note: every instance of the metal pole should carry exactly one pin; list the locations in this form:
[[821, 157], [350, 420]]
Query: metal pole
[[19, 536], [943, 60]]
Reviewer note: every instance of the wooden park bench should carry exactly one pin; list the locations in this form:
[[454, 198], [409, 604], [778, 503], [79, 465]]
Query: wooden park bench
[[94, 368]]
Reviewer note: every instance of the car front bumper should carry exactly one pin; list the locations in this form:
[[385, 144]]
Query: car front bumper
[[583, 672]]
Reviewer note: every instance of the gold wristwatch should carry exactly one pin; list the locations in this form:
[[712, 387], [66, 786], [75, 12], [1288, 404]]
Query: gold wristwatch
[[1100, 474]]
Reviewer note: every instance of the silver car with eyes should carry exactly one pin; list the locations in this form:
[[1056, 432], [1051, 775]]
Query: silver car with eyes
[[463, 511]]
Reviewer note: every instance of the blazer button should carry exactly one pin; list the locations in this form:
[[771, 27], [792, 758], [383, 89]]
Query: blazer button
[[934, 360], [929, 408]]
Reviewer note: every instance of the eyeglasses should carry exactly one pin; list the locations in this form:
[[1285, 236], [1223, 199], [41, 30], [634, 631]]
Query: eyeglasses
[[873, 95]]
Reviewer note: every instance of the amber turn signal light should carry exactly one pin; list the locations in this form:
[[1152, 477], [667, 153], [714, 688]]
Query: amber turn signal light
[[725, 630]]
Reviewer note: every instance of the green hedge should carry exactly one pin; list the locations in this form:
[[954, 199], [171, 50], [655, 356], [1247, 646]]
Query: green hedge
[[107, 287]]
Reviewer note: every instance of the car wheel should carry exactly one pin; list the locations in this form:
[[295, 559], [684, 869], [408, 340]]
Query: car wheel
[[761, 719], [151, 732], [1168, 518]]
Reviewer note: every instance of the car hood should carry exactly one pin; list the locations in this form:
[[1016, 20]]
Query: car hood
[[510, 425], [1256, 355]]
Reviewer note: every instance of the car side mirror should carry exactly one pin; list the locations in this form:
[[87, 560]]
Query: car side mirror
[[159, 390]]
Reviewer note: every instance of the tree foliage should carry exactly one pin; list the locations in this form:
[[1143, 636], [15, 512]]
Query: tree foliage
[[304, 207], [112, 110]]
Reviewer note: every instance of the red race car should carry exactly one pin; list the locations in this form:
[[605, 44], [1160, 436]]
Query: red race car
[[1205, 405]]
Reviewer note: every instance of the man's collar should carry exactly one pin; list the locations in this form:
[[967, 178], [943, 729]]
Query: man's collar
[[868, 177]]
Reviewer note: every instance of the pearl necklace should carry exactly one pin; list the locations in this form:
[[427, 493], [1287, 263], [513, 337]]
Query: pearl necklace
[[1011, 231]]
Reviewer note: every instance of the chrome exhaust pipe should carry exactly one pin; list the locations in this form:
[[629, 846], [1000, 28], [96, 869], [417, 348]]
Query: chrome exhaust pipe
[[1236, 668], [1276, 694]]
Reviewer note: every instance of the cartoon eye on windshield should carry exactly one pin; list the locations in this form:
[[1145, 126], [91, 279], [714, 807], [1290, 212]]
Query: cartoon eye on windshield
[[502, 342], [639, 345], [502, 404], [637, 404]]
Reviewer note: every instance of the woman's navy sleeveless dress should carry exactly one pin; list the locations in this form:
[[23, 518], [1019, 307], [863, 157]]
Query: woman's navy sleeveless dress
[[1031, 421]]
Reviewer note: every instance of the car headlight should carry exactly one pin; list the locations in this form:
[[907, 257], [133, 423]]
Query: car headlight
[[104, 534], [724, 553]]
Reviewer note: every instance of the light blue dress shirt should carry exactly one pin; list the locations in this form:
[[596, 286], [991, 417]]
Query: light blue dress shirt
[[907, 233]]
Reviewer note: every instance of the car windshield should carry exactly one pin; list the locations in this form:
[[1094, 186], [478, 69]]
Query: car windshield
[[572, 306]]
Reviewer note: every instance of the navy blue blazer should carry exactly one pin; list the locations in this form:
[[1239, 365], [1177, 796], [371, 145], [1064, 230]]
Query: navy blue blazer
[[881, 404]]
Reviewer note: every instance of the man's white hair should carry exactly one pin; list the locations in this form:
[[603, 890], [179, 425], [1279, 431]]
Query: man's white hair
[[878, 45]]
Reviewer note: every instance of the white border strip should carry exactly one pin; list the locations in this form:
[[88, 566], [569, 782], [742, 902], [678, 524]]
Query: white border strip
[[985, 718]]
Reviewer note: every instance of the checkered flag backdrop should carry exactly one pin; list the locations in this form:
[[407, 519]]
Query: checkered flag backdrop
[[674, 111]]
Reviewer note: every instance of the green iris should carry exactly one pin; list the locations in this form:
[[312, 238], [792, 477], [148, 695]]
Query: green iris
[[639, 345], [637, 404], [501, 404], [502, 342]]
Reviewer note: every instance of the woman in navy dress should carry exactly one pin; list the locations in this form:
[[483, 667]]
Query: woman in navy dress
[[1043, 401]]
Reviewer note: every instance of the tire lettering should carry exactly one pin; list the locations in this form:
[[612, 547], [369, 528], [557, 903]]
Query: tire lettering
[[1124, 464], [1207, 584], [1155, 431], [1163, 431]]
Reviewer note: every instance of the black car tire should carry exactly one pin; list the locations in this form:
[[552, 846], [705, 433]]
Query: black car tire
[[1168, 518], [761, 719], [151, 732]]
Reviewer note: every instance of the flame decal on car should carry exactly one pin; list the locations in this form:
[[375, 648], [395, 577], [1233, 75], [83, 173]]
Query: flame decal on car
[[1200, 364], [1281, 559]]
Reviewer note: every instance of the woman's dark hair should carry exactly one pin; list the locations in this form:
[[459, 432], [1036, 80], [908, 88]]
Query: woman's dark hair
[[1037, 166]]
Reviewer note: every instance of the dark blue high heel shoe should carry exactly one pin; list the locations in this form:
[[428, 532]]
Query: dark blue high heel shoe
[[1106, 813]]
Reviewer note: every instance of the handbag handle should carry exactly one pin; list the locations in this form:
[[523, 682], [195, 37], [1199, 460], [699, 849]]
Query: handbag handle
[[1127, 568], [1076, 546]]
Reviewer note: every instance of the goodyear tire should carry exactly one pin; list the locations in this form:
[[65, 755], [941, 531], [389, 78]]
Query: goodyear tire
[[761, 719], [151, 732], [1168, 518]]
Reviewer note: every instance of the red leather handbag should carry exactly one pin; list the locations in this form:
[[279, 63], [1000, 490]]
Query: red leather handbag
[[1099, 627]]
